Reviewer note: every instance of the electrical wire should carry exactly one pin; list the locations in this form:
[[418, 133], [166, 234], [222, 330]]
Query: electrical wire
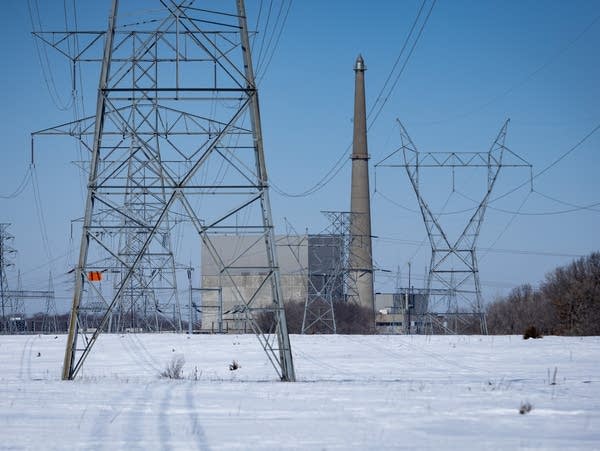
[[263, 37], [387, 97], [568, 204], [551, 165], [269, 45], [44, 60], [256, 27], [40, 215], [573, 208], [393, 202], [508, 224], [399, 57], [20, 188], [343, 158], [392, 240], [260, 75], [549, 213], [522, 81]]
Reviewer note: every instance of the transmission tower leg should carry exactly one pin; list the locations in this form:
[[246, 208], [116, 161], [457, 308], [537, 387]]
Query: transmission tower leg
[[285, 349], [69, 368]]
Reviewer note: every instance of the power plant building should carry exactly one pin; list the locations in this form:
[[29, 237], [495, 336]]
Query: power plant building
[[308, 264], [403, 312]]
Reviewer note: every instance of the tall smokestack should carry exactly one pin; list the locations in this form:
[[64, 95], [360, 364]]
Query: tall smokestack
[[361, 260]]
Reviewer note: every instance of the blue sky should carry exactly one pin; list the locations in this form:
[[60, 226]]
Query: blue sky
[[476, 64]]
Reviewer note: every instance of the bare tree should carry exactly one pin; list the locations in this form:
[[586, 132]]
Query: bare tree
[[567, 302], [574, 291]]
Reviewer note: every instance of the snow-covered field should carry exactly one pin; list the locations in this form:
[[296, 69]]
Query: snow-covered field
[[354, 392]]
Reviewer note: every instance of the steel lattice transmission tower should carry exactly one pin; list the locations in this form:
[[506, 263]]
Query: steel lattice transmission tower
[[176, 149], [49, 323], [323, 284], [150, 297], [326, 275], [6, 253], [12, 303], [330, 280], [453, 286]]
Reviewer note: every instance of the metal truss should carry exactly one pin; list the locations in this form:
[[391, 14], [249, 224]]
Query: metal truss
[[329, 279], [7, 298], [453, 285], [49, 323], [175, 149], [324, 284], [322, 272], [12, 304], [340, 224]]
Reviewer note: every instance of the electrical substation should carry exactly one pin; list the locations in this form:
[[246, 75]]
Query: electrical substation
[[174, 153]]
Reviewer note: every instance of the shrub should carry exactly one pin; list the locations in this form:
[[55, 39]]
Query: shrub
[[174, 368], [525, 408], [350, 318], [531, 332]]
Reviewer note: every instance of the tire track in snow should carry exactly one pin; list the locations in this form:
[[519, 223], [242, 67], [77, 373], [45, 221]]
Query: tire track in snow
[[100, 434], [23, 354], [197, 429], [133, 432], [164, 431], [30, 356]]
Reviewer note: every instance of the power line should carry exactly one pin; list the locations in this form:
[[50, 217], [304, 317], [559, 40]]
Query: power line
[[573, 208], [438, 214], [386, 239], [262, 41], [523, 80], [551, 165], [404, 65], [406, 40], [256, 26], [261, 68], [20, 188], [274, 48], [550, 213], [508, 224], [42, 54], [569, 204], [343, 158]]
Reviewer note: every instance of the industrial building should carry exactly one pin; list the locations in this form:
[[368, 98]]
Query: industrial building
[[232, 269], [311, 266], [403, 312]]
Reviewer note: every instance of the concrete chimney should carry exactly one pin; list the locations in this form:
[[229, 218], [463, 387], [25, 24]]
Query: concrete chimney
[[360, 259]]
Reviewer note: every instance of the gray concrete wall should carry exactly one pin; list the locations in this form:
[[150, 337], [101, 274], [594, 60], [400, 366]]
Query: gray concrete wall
[[245, 258]]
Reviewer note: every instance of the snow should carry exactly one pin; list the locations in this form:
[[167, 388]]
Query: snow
[[353, 392]]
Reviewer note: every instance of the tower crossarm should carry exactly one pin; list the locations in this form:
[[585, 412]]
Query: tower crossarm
[[28, 294]]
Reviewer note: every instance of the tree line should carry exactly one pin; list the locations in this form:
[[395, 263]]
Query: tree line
[[567, 302]]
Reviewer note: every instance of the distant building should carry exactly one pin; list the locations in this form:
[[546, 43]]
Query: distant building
[[234, 268], [404, 312]]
